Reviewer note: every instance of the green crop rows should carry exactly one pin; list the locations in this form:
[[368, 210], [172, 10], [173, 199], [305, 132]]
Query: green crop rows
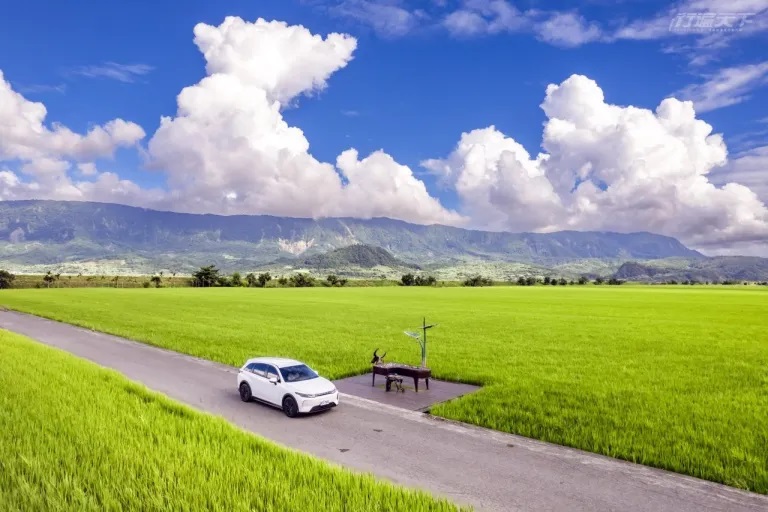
[[77, 437], [672, 377]]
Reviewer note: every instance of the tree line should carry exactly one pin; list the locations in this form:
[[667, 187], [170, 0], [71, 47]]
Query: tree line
[[478, 280], [210, 276]]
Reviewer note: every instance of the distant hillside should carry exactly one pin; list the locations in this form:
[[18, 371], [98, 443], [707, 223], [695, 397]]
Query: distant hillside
[[717, 269], [110, 238], [358, 255]]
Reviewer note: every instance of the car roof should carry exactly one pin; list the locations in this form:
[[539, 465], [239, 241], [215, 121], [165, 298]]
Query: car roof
[[280, 362]]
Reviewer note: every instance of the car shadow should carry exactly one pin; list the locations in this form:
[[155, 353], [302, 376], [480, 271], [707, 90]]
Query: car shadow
[[270, 409]]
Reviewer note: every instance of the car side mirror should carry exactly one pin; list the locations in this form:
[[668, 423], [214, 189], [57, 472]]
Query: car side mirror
[[274, 380]]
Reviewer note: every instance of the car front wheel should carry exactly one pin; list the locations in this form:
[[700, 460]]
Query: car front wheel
[[290, 407], [245, 392]]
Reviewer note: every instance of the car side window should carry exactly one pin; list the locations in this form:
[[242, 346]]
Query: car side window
[[271, 372], [259, 369]]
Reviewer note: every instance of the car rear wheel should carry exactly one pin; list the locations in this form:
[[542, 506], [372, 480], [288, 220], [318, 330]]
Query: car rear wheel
[[290, 407], [245, 392]]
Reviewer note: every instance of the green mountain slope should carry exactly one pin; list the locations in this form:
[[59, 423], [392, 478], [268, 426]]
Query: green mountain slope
[[720, 268], [357, 255], [110, 238]]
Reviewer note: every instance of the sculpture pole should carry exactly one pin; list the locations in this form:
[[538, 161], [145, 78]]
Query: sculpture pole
[[422, 340], [424, 345]]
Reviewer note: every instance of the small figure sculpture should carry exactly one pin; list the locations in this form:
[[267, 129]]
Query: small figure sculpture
[[377, 358]]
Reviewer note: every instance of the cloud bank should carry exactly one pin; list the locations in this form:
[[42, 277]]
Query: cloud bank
[[45, 156], [229, 150], [606, 167]]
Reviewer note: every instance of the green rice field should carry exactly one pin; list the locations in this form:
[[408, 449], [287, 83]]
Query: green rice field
[[672, 377], [77, 437]]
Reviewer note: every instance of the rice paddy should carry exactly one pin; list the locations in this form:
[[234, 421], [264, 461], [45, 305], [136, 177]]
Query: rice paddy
[[671, 377], [74, 436]]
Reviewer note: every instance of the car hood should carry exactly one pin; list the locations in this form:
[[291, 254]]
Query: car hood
[[312, 386]]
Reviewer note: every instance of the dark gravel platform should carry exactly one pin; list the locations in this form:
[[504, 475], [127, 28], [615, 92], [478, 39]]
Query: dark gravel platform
[[439, 391]]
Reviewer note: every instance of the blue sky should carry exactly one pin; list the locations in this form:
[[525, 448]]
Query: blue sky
[[421, 74]]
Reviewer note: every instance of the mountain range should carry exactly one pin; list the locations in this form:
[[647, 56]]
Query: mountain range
[[87, 237]]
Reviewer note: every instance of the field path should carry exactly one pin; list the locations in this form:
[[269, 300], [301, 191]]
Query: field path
[[489, 470]]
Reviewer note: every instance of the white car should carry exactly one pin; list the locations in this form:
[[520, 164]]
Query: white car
[[286, 383]]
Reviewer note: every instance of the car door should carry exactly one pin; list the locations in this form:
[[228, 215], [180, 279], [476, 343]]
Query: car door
[[259, 384], [247, 375], [275, 392]]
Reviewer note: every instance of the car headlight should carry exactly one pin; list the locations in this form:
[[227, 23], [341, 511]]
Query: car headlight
[[317, 395]]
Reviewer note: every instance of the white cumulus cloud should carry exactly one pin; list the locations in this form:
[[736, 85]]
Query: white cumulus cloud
[[44, 155], [606, 167], [24, 135], [229, 149], [749, 168]]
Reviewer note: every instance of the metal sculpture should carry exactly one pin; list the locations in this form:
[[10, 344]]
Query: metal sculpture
[[377, 358], [422, 340]]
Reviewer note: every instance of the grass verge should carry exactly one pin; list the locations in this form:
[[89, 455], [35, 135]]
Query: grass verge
[[74, 436]]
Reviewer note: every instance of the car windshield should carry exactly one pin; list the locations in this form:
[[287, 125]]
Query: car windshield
[[297, 373]]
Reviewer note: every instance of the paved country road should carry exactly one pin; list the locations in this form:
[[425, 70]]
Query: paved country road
[[489, 470]]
